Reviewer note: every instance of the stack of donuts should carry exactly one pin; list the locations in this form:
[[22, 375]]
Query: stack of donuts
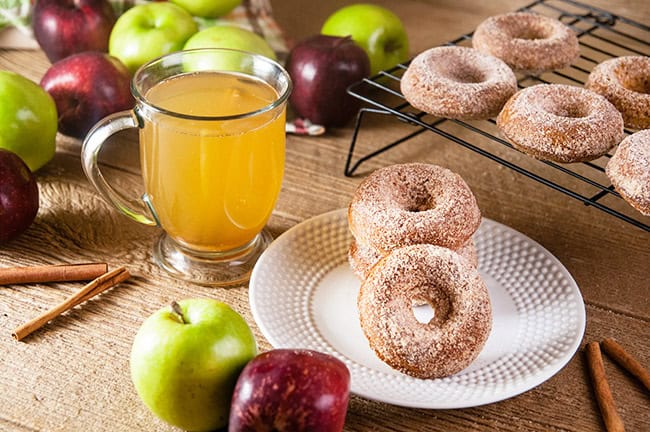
[[555, 122], [412, 226]]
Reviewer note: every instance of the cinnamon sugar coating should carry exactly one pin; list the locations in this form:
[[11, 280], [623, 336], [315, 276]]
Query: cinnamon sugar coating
[[425, 273], [625, 82], [561, 123], [629, 170], [458, 82], [413, 203], [527, 42], [362, 257]]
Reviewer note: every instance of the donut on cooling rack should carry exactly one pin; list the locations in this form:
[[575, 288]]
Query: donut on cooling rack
[[561, 123], [629, 170], [419, 274], [413, 203], [458, 82], [527, 42], [362, 257], [625, 82]]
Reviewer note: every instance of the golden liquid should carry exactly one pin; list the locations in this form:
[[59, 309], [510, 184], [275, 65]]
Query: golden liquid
[[213, 184]]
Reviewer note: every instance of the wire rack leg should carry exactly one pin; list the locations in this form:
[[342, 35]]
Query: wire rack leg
[[349, 167]]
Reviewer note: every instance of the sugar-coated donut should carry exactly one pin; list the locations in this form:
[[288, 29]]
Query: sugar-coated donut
[[527, 42], [561, 123], [629, 170], [413, 203], [458, 82], [625, 82], [362, 257], [413, 275]]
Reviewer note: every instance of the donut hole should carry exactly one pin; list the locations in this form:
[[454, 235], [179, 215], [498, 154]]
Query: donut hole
[[424, 313], [568, 109], [635, 83], [419, 205], [461, 72], [416, 199], [431, 305], [530, 32]]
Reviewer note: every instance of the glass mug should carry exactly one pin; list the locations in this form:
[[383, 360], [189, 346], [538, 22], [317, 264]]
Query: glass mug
[[212, 146]]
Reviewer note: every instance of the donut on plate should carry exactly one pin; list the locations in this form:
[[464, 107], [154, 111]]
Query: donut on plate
[[625, 82], [527, 42], [413, 203], [458, 82], [629, 170], [561, 123], [418, 274]]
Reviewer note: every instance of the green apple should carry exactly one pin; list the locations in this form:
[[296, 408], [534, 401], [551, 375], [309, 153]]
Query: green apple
[[186, 359], [225, 36], [230, 36], [28, 120], [150, 30], [208, 8], [375, 29]]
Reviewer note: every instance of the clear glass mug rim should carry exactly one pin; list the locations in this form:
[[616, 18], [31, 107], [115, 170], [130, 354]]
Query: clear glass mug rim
[[142, 101]]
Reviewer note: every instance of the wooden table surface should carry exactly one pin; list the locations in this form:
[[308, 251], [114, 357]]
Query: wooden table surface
[[73, 374]]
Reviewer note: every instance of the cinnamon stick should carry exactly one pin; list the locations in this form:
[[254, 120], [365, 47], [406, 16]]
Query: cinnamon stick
[[620, 356], [97, 286], [613, 422], [52, 273]]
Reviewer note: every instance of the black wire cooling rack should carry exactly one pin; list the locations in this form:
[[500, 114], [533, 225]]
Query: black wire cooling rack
[[602, 35]]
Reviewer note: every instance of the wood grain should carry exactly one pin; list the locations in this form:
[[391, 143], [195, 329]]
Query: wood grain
[[74, 375]]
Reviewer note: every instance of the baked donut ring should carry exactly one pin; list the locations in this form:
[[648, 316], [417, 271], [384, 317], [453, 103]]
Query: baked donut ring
[[458, 82], [413, 203], [625, 82], [420, 274], [527, 42], [362, 257], [561, 123], [629, 170]]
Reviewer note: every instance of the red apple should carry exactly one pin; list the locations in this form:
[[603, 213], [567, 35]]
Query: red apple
[[87, 87], [291, 390], [65, 27], [322, 68], [18, 196]]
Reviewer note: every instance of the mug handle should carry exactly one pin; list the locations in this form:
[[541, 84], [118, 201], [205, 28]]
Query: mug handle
[[138, 210]]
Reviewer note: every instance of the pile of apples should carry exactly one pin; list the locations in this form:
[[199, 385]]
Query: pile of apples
[[94, 53], [355, 42]]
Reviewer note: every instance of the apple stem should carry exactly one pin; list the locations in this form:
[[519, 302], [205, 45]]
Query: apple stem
[[343, 40], [176, 309]]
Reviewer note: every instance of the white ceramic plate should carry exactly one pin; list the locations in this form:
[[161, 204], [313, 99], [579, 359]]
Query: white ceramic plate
[[304, 295]]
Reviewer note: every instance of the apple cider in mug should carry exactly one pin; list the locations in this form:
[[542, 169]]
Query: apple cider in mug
[[213, 184]]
